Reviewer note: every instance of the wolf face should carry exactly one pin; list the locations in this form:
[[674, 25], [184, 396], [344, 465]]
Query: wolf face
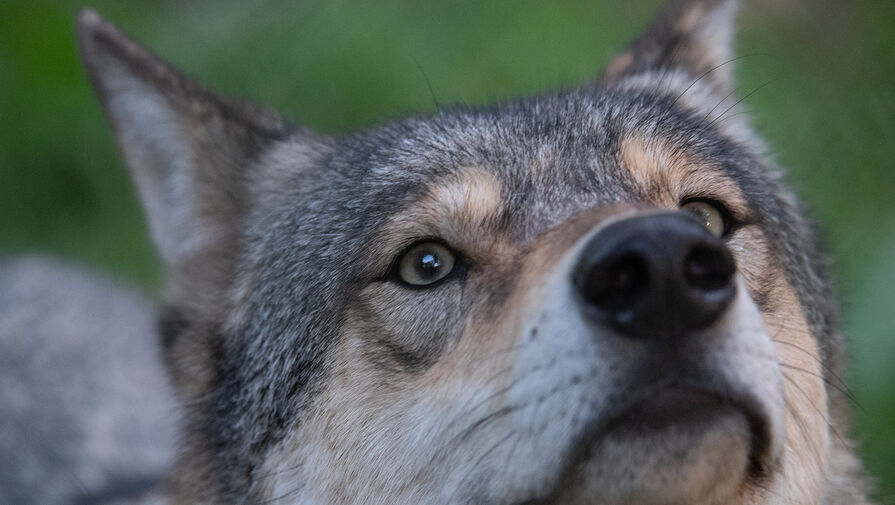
[[603, 295]]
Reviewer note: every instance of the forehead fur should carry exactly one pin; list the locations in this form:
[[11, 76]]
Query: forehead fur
[[464, 208], [471, 195], [552, 155], [670, 174]]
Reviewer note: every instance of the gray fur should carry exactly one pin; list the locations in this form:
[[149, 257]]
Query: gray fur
[[85, 407]]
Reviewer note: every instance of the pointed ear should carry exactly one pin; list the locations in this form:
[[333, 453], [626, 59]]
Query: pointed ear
[[186, 147], [695, 36]]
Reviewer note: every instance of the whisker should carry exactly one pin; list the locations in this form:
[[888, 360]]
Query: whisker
[[840, 386], [803, 429], [776, 495], [467, 411], [731, 116], [472, 469], [419, 67], [756, 90], [830, 426], [287, 494], [667, 71], [709, 113], [701, 77]]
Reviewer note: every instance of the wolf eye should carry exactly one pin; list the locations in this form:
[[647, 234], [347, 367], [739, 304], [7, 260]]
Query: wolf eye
[[709, 213], [425, 263]]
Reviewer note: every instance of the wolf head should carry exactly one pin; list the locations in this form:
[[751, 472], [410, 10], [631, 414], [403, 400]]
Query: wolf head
[[596, 296]]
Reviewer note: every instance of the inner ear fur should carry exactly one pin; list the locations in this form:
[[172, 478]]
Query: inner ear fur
[[185, 146], [695, 36]]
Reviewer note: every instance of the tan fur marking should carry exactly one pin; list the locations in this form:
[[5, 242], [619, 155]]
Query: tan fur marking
[[807, 414], [669, 177], [473, 196], [461, 210]]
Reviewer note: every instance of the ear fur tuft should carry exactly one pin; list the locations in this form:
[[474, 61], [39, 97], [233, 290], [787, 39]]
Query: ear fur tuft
[[691, 35], [185, 146]]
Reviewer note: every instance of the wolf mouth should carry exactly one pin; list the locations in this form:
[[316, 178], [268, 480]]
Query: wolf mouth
[[680, 403], [662, 408]]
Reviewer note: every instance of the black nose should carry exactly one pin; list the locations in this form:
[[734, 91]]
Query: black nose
[[655, 276]]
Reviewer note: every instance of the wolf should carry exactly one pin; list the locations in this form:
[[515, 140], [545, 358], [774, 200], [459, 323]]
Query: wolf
[[603, 295]]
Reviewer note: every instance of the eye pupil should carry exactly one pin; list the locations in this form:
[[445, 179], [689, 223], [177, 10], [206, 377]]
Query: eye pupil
[[429, 265]]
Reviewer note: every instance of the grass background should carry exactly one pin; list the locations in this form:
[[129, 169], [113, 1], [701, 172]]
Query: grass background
[[826, 104]]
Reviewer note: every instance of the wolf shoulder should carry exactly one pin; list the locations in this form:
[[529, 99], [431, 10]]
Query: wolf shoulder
[[86, 412]]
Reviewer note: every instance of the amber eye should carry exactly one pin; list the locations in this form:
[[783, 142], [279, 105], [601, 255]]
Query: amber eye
[[710, 214], [425, 263]]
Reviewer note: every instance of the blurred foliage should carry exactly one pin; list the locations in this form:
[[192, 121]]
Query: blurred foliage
[[817, 77]]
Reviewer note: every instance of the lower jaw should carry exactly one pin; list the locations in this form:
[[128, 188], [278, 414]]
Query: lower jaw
[[703, 455]]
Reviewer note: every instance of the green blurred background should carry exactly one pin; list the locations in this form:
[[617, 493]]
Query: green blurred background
[[826, 104]]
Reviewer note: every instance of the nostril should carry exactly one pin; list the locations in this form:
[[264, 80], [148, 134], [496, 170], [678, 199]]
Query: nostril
[[616, 284], [658, 276], [708, 267]]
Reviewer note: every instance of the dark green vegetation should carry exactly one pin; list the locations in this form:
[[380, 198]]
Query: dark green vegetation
[[818, 77]]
